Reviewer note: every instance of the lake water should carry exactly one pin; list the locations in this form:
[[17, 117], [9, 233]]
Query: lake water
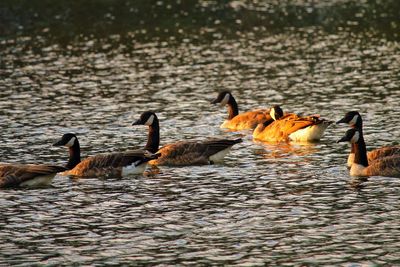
[[267, 204]]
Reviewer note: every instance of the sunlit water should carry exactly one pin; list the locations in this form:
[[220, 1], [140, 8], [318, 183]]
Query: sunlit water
[[287, 204]]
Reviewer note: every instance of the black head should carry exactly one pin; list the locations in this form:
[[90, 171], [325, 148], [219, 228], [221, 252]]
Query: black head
[[222, 98], [146, 118], [68, 140], [353, 118], [352, 135], [276, 112]]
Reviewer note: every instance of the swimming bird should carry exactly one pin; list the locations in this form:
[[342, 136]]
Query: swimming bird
[[117, 164], [184, 152], [290, 127], [27, 175], [242, 121], [354, 119], [384, 166]]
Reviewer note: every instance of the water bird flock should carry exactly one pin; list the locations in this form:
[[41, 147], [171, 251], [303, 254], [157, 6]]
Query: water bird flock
[[268, 125]]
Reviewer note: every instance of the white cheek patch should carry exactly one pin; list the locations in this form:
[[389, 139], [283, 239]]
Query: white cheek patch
[[225, 100], [355, 137], [353, 120], [150, 120], [71, 142], [272, 113]]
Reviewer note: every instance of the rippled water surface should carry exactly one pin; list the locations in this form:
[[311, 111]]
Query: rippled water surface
[[275, 204]]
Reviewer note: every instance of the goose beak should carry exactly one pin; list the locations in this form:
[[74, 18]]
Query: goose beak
[[58, 143], [343, 120], [214, 101], [138, 122], [343, 139]]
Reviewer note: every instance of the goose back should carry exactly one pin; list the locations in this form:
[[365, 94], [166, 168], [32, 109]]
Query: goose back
[[383, 152], [247, 120], [194, 152]]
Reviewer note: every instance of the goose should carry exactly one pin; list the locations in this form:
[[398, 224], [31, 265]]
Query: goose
[[27, 175], [115, 165], [384, 166], [354, 119], [290, 127], [242, 121], [184, 152]]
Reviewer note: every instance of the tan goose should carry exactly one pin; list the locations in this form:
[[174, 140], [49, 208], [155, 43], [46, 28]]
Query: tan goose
[[290, 127], [27, 175], [353, 118], [384, 166], [184, 152], [242, 121], [103, 165]]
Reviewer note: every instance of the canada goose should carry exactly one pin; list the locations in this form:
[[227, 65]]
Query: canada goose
[[242, 121], [354, 119], [385, 166], [184, 152], [290, 127], [29, 175], [110, 164]]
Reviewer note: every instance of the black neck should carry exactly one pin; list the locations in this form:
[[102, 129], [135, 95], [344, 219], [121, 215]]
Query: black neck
[[268, 122], [233, 109], [153, 138], [359, 123], [360, 152], [74, 155]]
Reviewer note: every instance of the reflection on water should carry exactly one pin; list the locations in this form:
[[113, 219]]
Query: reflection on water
[[282, 204]]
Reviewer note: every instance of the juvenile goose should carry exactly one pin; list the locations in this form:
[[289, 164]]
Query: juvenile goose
[[243, 121], [385, 166], [353, 118], [290, 127], [110, 165], [183, 152], [27, 175]]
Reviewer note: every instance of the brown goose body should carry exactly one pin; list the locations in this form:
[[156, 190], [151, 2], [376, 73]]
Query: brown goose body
[[114, 165], [194, 152], [183, 152], [292, 127], [247, 120], [242, 121], [27, 174], [384, 166]]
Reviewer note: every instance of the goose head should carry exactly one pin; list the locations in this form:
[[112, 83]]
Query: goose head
[[276, 112], [352, 135], [223, 98], [68, 140], [353, 118], [146, 118]]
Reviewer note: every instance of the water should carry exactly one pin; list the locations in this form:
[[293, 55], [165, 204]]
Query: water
[[286, 204]]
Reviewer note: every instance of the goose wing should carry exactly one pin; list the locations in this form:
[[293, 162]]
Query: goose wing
[[383, 152], [212, 147], [387, 166], [15, 174], [280, 129], [115, 160], [250, 119], [192, 152]]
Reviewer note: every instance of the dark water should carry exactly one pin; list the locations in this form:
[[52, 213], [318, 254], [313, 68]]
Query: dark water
[[291, 204]]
